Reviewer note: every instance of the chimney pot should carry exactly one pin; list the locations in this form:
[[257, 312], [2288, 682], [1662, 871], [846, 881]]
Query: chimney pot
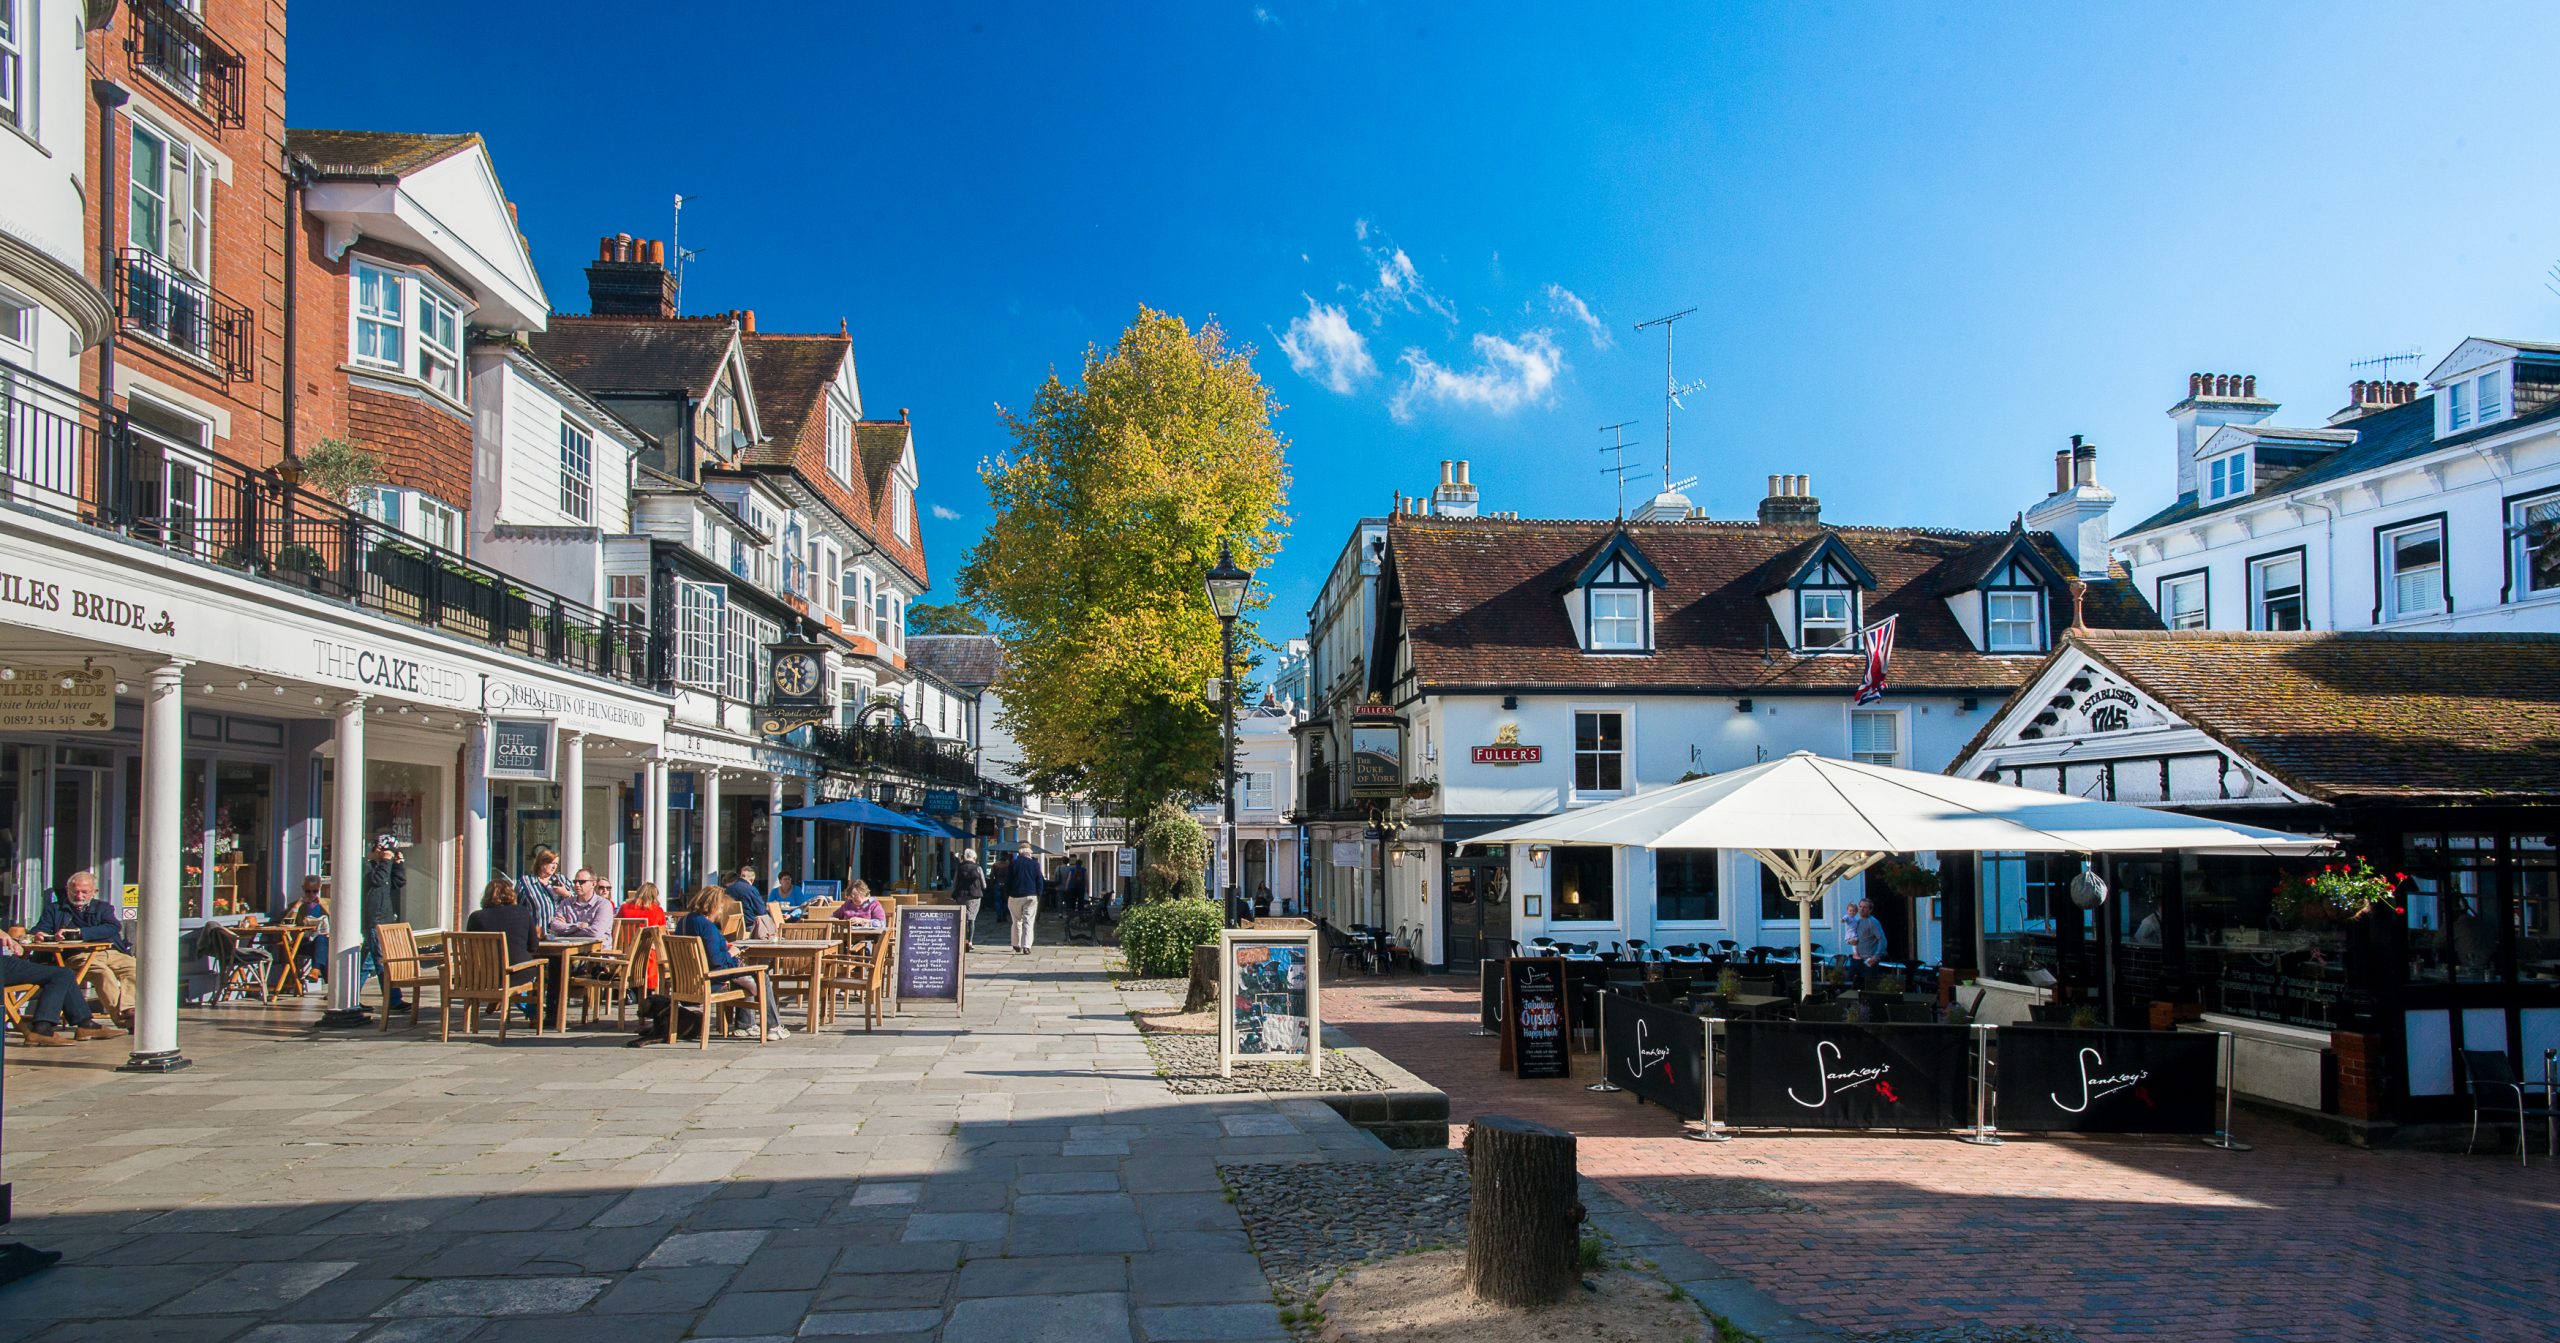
[[2061, 470], [1773, 488], [622, 247], [657, 252], [1462, 472], [1445, 477], [2084, 462], [747, 321], [2249, 385]]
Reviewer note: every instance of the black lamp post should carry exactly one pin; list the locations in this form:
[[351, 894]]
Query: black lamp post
[[1227, 586]]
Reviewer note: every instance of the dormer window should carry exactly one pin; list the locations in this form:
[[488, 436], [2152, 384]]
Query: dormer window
[[2013, 610], [1617, 619], [2226, 476], [1825, 616], [2477, 400], [1828, 591], [1610, 603]]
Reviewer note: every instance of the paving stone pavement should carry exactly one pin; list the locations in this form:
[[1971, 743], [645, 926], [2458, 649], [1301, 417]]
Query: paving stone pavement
[[1017, 1172], [1807, 1236]]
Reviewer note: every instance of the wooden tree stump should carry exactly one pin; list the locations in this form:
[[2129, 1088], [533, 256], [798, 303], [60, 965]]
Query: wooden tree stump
[[1524, 1223], [1204, 980]]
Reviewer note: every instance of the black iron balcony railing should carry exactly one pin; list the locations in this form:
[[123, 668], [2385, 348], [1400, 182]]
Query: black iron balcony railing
[[901, 750], [181, 311], [171, 41], [66, 455]]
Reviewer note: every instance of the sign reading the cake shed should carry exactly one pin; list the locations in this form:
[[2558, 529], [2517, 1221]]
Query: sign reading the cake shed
[[1267, 997], [929, 947], [521, 748]]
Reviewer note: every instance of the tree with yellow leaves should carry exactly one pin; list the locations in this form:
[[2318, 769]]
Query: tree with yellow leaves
[[1109, 509]]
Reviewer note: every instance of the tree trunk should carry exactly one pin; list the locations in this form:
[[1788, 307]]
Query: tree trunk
[[1524, 1224], [1204, 980]]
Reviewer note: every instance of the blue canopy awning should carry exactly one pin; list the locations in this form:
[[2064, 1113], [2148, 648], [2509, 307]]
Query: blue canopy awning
[[947, 827], [857, 811]]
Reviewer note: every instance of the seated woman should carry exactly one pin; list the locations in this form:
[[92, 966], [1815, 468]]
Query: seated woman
[[702, 917], [644, 905], [502, 911], [311, 959], [860, 903]]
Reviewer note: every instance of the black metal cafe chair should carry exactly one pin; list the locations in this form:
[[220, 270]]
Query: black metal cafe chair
[[2498, 1093]]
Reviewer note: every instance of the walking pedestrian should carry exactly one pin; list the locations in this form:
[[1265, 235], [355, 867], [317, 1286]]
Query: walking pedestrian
[[1022, 886], [969, 890]]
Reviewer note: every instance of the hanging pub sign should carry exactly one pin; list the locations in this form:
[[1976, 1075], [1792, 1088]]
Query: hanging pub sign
[[2056, 1079], [796, 687], [1657, 1053], [59, 699], [1844, 1074], [523, 748], [1377, 751], [1534, 1018]]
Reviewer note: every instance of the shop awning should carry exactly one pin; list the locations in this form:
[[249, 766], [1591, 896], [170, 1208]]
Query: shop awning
[[857, 811], [946, 827]]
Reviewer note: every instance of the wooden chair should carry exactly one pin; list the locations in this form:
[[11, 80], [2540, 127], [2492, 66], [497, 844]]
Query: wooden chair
[[820, 911], [803, 974], [476, 971], [691, 982], [405, 967], [247, 969], [808, 931], [733, 926], [14, 1002], [863, 974], [592, 976]]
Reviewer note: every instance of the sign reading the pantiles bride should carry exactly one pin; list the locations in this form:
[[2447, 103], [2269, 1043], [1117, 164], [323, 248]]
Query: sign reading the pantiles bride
[[58, 699]]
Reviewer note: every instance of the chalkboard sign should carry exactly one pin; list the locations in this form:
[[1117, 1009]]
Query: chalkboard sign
[[928, 948], [1848, 1075], [521, 748], [2054, 1079], [1267, 996], [1659, 1053], [1535, 1017]]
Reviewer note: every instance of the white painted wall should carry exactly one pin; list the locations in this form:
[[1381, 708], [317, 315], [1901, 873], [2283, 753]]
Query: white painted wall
[[42, 175]]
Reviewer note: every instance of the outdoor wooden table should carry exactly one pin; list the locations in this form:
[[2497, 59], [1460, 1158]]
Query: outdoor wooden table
[[772, 953], [563, 950], [72, 954], [287, 938]]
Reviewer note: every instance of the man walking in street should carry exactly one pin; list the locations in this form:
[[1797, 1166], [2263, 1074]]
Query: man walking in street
[[1022, 884], [81, 916], [969, 890]]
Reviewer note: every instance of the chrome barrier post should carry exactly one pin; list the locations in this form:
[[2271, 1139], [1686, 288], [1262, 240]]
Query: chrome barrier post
[[1707, 1130], [1984, 1132], [1600, 1042], [2230, 1083]]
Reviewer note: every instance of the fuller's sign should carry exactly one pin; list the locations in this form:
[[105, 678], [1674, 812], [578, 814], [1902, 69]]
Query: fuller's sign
[[1509, 755]]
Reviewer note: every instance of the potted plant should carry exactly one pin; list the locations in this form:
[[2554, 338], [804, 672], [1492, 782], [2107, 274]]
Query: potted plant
[[1420, 790], [2341, 892]]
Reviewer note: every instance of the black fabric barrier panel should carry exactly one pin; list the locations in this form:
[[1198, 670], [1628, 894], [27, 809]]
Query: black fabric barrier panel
[[1843, 1074], [1489, 995], [1656, 1052], [2054, 1078]]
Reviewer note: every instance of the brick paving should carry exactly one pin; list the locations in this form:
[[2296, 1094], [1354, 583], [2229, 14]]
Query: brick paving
[[2107, 1238], [1018, 1172]]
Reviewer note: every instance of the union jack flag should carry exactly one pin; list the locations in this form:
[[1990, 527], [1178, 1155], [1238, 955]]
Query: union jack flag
[[1878, 639]]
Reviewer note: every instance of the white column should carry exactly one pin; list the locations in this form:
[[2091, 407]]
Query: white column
[[773, 830], [347, 848], [617, 856], [707, 799], [808, 832], [653, 830], [573, 803], [156, 958], [475, 813]]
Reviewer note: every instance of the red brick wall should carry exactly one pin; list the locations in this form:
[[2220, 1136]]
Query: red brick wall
[[248, 215], [2364, 1074], [423, 445]]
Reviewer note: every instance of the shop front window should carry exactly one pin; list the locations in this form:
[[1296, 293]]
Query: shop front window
[[406, 802], [2453, 908], [2021, 898], [2537, 867], [239, 874], [1585, 884], [2260, 945]]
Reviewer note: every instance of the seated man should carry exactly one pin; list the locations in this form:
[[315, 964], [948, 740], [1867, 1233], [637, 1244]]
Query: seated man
[[81, 916], [58, 1002]]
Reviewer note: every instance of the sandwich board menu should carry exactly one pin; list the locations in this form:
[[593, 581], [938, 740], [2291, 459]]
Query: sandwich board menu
[[1534, 1017], [928, 951], [1267, 997]]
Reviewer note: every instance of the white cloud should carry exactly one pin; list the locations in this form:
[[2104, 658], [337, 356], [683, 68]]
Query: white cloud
[[1323, 346], [1399, 284], [1264, 16], [1509, 374], [946, 514], [1569, 305]]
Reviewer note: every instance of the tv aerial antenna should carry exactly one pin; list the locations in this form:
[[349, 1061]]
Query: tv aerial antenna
[[675, 243], [1617, 452], [2388, 362], [1672, 388]]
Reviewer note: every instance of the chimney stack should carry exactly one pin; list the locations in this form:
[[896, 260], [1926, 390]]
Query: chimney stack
[[1790, 503], [2212, 401], [629, 278], [1454, 496], [2076, 511], [2084, 463]]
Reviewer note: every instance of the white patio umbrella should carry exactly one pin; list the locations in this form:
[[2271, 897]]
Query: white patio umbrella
[[1814, 821]]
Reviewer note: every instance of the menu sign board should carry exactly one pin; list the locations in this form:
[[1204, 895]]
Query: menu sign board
[[2054, 1079], [521, 748], [1847, 1075], [1659, 1053], [1267, 997], [1534, 1017], [928, 947]]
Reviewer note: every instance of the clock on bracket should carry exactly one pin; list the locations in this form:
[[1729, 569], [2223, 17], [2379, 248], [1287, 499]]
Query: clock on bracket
[[795, 675]]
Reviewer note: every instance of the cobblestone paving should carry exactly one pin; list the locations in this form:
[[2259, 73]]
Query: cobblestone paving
[[1189, 1065], [1309, 1223], [2095, 1239], [1019, 1172]]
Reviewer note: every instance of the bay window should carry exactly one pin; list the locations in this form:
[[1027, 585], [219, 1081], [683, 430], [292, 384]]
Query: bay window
[[409, 326]]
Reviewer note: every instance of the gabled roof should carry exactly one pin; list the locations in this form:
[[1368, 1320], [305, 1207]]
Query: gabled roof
[[1477, 600], [1618, 546], [2401, 433], [880, 445], [373, 153], [1976, 566], [1797, 564], [969, 661], [637, 354], [791, 374], [2359, 716]]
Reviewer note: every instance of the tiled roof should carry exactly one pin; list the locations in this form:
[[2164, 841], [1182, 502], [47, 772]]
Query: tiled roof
[[2382, 438], [373, 153], [636, 354], [790, 374], [2371, 716], [970, 661], [880, 445], [1482, 600]]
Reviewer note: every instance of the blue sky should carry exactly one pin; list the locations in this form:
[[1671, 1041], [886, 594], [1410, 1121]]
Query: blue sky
[[1926, 244]]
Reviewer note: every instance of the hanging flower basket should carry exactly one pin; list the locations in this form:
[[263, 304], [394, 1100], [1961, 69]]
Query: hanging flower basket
[[2340, 892]]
